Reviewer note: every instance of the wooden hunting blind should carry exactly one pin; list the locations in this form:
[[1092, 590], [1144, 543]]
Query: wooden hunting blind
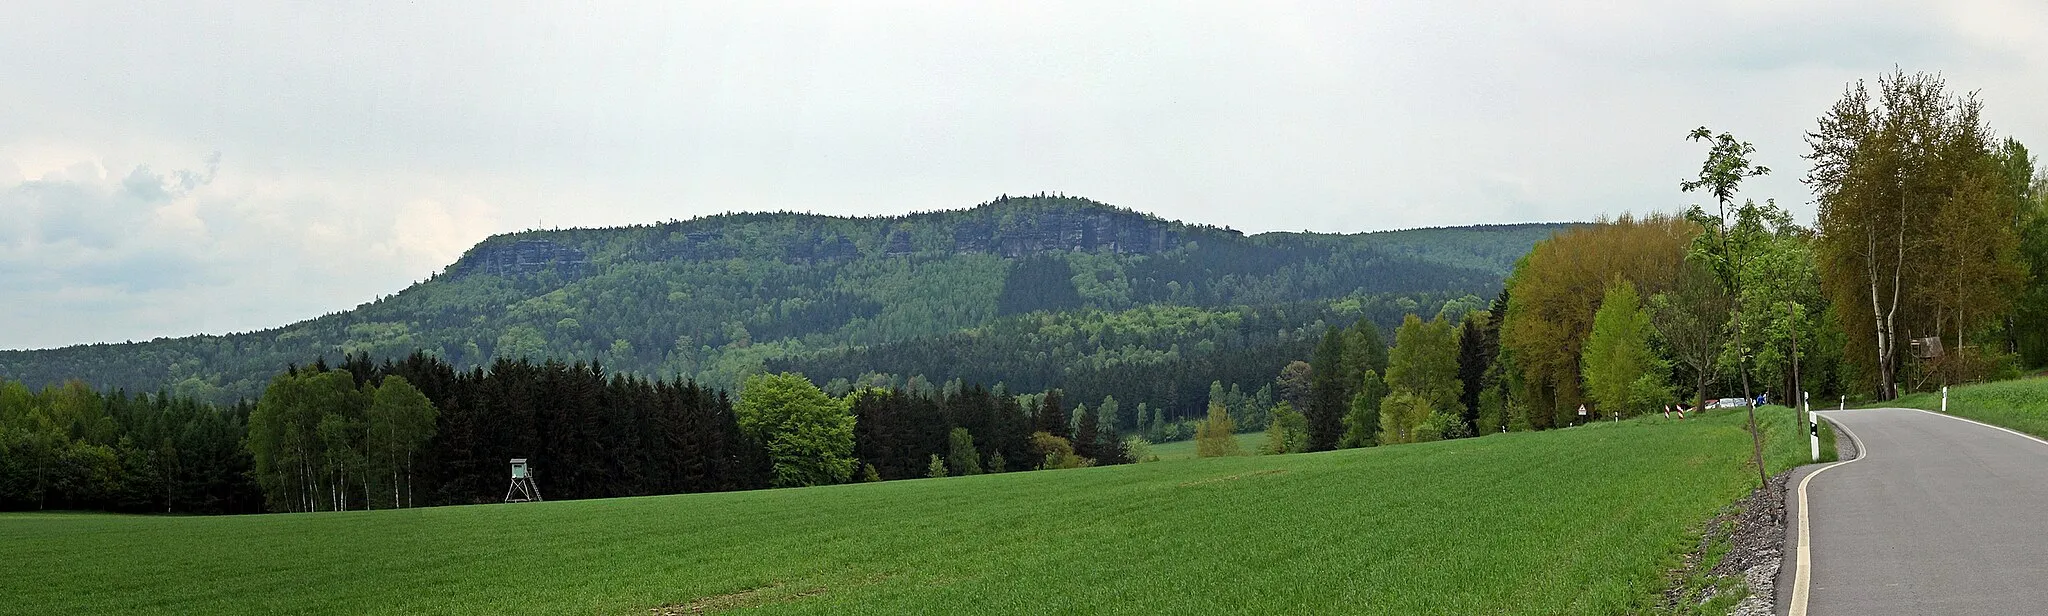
[[523, 488], [1926, 348]]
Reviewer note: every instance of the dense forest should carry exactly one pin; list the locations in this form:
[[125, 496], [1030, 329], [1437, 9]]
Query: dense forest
[[716, 299], [418, 432], [1167, 356]]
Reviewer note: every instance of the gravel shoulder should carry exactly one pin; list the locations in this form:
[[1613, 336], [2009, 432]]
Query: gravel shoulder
[[1752, 532]]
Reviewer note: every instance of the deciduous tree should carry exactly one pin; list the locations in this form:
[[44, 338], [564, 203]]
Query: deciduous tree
[[400, 422], [1362, 420], [1623, 375], [1556, 289], [809, 435], [1912, 227], [1422, 370], [1217, 435]]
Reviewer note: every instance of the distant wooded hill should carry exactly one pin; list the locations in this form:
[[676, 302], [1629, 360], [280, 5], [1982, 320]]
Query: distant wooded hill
[[1090, 292]]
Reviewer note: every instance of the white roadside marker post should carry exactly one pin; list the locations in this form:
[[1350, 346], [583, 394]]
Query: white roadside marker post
[[1806, 407], [1815, 431], [1845, 403], [1944, 398]]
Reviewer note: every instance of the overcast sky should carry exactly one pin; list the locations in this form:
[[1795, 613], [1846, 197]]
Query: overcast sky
[[212, 168]]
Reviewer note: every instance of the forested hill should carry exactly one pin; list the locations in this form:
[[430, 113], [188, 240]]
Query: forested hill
[[719, 297]]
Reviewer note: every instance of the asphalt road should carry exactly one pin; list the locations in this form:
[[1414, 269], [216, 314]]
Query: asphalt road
[[1939, 516]]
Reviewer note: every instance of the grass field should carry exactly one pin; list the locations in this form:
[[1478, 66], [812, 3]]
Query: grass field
[[1580, 521], [2018, 404]]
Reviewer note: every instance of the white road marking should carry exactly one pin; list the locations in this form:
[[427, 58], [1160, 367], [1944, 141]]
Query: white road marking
[[2005, 430], [1802, 579]]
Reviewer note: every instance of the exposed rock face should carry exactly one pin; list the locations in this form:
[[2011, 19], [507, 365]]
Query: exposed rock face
[[1084, 230], [523, 257], [899, 244], [821, 249], [693, 246]]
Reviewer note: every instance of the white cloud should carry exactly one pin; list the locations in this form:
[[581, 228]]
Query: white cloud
[[430, 231], [97, 253]]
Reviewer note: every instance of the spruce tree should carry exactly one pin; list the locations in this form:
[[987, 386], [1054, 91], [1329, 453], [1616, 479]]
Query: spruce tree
[[1327, 393], [1052, 415], [1087, 438], [1475, 356], [1112, 449]]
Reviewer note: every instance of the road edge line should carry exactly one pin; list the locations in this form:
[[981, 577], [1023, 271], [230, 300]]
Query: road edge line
[[1999, 428], [1802, 581]]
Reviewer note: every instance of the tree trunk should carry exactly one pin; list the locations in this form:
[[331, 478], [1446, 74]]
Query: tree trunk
[[1756, 435], [1700, 386], [1884, 377], [1798, 389]]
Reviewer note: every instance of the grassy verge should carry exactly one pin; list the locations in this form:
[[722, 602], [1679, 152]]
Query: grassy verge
[[1786, 442], [1700, 592], [2018, 404], [1583, 521]]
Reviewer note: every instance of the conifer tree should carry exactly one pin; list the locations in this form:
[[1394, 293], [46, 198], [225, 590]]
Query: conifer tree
[[1052, 415], [1087, 438], [1327, 393], [1112, 450], [1478, 344]]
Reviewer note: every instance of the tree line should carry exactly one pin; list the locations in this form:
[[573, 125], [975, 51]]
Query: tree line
[[417, 432], [70, 447], [1927, 265], [1441, 379]]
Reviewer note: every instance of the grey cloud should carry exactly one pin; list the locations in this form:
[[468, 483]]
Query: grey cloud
[[78, 208], [1333, 116], [94, 257]]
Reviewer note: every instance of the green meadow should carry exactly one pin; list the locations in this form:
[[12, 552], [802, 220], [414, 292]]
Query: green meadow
[[2019, 404], [1583, 520]]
